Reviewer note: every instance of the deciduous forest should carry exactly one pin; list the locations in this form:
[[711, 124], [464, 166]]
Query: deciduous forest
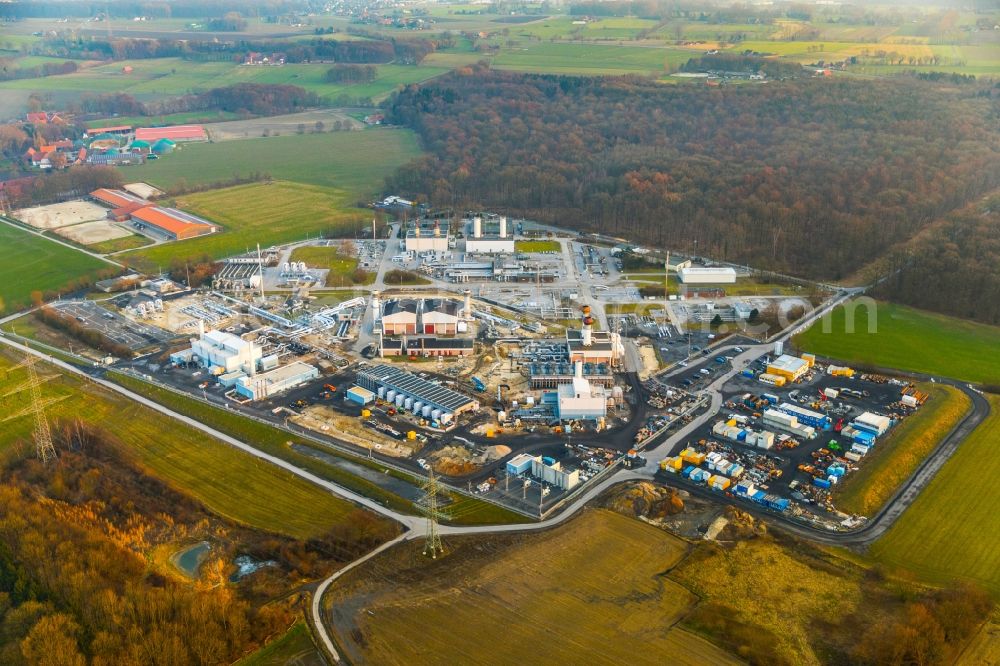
[[814, 177], [83, 584]]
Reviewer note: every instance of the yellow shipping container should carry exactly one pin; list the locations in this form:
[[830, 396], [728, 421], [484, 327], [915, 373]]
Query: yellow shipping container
[[809, 358], [731, 423], [365, 413], [676, 462], [412, 434]]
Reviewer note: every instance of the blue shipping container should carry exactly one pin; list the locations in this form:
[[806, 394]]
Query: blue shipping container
[[759, 496], [742, 436], [771, 398], [821, 483], [748, 373]]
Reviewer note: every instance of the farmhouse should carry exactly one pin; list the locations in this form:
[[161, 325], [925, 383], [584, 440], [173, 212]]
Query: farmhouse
[[175, 133], [172, 223]]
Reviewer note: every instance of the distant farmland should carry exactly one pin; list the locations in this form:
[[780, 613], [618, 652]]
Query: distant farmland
[[31, 263], [910, 339]]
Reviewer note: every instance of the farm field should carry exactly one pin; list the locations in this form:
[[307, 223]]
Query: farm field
[[294, 648], [229, 482], [949, 532], [904, 448], [285, 124], [180, 118], [265, 213], [32, 263], [352, 161], [340, 265], [171, 77], [589, 59], [512, 595], [910, 339]]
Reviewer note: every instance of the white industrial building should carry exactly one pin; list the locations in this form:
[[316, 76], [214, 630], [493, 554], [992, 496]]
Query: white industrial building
[[488, 236], [220, 352], [590, 346], [698, 275], [427, 236], [580, 400], [553, 474], [273, 382]]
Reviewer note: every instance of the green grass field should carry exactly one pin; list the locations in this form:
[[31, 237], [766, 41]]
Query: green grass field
[[537, 246], [353, 161], [904, 448], [950, 531], [294, 647], [229, 482], [279, 212], [910, 339], [181, 118], [341, 266], [172, 77], [589, 59], [32, 263]]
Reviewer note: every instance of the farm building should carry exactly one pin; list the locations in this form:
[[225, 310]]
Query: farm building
[[698, 275], [163, 146], [399, 317], [172, 223], [488, 236], [415, 393], [117, 130], [273, 382], [791, 368], [175, 133]]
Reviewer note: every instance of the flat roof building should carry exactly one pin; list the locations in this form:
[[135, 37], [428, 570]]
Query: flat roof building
[[790, 367], [706, 275], [580, 400], [427, 235], [488, 234], [279, 380], [223, 352], [387, 380], [172, 223]]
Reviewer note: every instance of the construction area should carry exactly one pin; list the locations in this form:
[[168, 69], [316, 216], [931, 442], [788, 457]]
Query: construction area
[[789, 431]]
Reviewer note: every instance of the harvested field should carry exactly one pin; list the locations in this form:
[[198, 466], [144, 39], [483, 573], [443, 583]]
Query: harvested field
[[593, 587], [277, 125], [91, 233], [63, 214]]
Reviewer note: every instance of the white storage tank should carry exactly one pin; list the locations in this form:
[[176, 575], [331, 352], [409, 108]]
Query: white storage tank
[[417, 406], [426, 411], [446, 417], [400, 399], [381, 392], [408, 403], [391, 396], [436, 414]]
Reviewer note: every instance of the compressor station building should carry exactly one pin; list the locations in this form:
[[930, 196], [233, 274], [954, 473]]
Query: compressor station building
[[415, 394]]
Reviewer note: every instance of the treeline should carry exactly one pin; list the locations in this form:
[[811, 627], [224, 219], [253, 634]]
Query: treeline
[[246, 99], [351, 73], [775, 69], [76, 584], [69, 184], [954, 268], [809, 177], [89, 336], [376, 50], [22, 9], [231, 22], [9, 73]]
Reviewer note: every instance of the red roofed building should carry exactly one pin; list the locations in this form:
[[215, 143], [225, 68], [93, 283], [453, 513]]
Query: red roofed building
[[172, 223], [116, 129], [175, 133], [39, 117], [117, 198]]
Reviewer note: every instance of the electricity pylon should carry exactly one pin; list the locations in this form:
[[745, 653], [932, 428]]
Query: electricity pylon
[[429, 505], [44, 448]]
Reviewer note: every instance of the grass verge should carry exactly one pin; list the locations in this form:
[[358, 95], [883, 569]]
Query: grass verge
[[897, 457], [950, 531]]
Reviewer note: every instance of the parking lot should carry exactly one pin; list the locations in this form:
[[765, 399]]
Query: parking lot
[[135, 335]]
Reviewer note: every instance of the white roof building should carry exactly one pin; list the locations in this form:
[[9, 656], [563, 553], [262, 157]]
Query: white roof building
[[705, 275], [218, 349]]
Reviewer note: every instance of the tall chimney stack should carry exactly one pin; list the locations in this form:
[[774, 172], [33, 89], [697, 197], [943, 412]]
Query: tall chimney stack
[[579, 370], [587, 333], [201, 328], [503, 226], [477, 227], [468, 304]]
